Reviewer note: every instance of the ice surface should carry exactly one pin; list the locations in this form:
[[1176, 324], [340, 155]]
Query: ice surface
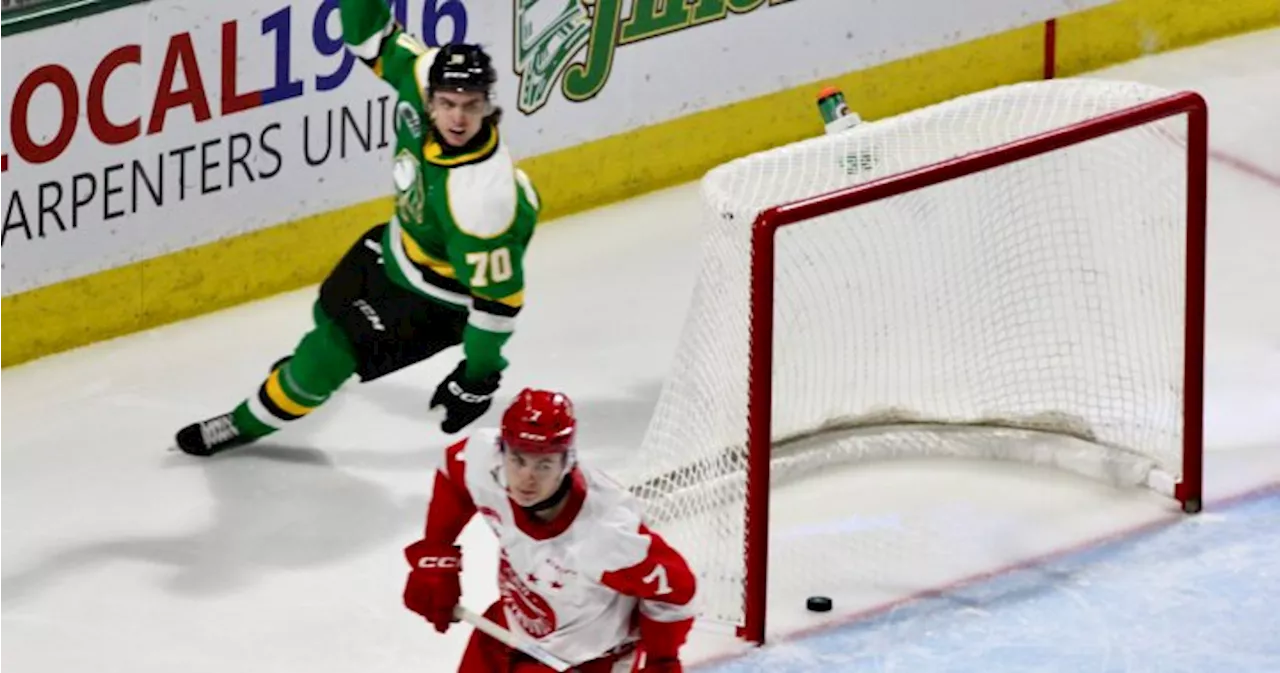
[[121, 557]]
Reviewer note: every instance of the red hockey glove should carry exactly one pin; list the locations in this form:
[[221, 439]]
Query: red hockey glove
[[433, 588]]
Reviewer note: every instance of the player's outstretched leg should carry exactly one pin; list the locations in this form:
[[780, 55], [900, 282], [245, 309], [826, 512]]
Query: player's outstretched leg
[[297, 385]]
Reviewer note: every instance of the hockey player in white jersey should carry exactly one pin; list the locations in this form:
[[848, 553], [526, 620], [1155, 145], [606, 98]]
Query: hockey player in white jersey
[[579, 572]]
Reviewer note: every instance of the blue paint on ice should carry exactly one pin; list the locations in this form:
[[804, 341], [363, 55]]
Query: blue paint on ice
[[1201, 595]]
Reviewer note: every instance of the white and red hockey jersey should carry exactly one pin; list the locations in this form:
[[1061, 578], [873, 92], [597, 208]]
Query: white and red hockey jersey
[[593, 579]]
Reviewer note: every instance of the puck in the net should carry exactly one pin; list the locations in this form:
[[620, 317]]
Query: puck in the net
[[819, 604]]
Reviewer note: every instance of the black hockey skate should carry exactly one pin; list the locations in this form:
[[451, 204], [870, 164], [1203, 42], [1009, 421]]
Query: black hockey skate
[[212, 436]]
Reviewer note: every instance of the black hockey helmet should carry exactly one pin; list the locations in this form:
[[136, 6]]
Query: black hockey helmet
[[462, 67]]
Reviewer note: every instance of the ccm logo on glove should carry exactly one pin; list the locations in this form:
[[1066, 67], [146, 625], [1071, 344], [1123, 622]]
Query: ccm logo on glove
[[456, 389], [444, 562]]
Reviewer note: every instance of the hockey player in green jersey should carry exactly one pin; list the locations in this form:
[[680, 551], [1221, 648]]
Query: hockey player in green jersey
[[447, 268]]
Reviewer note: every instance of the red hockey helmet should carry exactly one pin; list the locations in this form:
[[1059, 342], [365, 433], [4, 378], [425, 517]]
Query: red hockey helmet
[[540, 421]]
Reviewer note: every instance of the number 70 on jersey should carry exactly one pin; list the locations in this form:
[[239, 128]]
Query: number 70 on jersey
[[490, 267]]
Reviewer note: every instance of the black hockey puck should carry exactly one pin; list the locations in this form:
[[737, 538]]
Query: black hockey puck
[[818, 604]]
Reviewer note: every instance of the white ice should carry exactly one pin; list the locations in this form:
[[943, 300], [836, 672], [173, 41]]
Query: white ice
[[120, 556]]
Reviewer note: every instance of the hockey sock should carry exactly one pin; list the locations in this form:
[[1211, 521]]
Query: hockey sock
[[322, 362]]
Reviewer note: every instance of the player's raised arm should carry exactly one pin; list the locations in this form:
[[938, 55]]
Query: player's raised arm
[[434, 588], [666, 587], [382, 44]]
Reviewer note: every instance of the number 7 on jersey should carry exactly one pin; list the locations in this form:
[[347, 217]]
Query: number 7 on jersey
[[659, 575]]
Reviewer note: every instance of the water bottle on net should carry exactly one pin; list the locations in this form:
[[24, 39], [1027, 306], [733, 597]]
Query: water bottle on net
[[836, 115], [838, 118]]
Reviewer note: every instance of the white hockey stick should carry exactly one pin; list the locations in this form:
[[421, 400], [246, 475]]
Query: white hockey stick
[[510, 639]]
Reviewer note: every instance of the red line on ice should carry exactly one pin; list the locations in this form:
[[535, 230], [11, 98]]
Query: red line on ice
[[1245, 167]]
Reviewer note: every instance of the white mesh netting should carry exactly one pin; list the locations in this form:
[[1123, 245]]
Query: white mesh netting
[[969, 318]]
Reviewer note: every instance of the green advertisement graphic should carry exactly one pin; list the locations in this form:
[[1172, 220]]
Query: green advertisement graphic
[[550, 35]]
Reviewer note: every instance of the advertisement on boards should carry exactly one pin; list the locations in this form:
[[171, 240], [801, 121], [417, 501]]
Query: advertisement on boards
[[589, 70], [165, 125]]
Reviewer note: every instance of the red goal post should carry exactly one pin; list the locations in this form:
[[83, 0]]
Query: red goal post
[[762, 301]]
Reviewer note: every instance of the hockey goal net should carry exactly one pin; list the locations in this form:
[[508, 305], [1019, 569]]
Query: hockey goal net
[[968, 279]]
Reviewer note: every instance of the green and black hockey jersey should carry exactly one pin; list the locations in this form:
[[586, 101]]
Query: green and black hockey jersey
[[463, 217]]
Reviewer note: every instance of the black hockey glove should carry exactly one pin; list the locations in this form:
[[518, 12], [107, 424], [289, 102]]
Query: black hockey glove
[[464, 401]]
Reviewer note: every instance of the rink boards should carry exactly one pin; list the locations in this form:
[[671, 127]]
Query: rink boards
[[232, 153]]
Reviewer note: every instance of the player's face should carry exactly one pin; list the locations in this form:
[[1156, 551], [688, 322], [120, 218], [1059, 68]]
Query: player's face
[[532, 478], [458, 115]]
